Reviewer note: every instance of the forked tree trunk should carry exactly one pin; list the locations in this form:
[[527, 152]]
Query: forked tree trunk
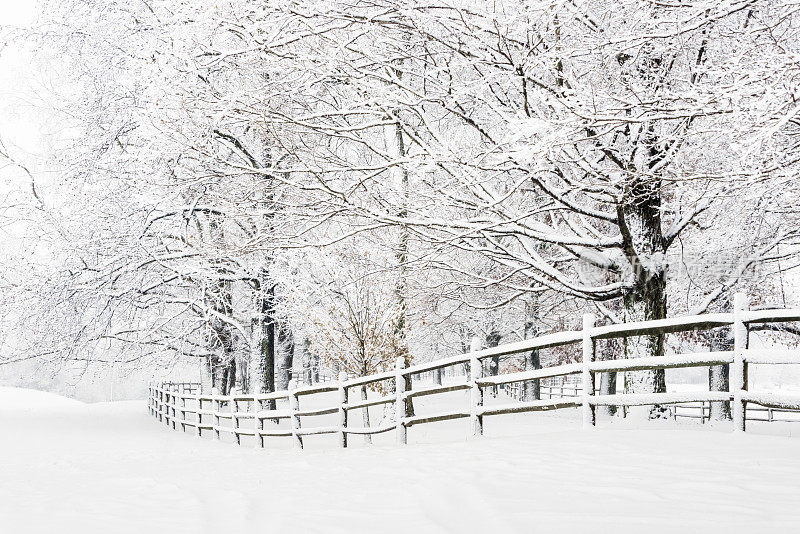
[[639, 218], [223, 375], [223, 366]]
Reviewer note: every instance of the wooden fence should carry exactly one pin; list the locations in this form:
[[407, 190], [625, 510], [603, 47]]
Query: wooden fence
[[688, 410], [186, 407]]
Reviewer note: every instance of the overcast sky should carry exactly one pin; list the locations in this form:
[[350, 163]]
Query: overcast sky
[[21, 119], [17, 11], [16, 125]]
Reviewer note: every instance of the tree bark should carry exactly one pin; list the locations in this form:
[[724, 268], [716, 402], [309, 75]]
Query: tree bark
[[493, 340], [307, 362], [206, 375], [466, 339], [315, 368], [719, 375], [611, 350], [365, 415], [640, 223], [608, 386], [397, 149], [531, 389], [286, 363], [262, 360], [437, 376]]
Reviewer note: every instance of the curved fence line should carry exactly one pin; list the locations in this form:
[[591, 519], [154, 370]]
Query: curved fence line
[[184, 405]]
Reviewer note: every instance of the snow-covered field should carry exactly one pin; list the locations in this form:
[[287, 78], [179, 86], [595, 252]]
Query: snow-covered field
[[110, 468]]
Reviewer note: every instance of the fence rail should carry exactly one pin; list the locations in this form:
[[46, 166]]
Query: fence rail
[[184, 405]]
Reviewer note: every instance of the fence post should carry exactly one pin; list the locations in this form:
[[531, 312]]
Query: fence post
[[183, 411], [215, 409], [166, 407], [294, 419], [342, 410], [199, 415], [233, 404], [476, 393], [400, 401], [174, 411], [738, 380], [586, 375], [258, 425]]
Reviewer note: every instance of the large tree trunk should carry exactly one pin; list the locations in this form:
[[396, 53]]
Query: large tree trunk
[[262, 344], [223, 375], [307, 370], [286, 361], [608, 381], [531, 389], [437, 376], [315, 367], [217, 380], [230, 376], [206, 375], [397, 149], [640, 222], [608, 386], [243, 370], [493, 340], [223, 366], [719, 375], [466, 338], [222, 339]]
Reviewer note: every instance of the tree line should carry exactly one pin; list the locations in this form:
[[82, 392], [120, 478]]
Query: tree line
[[350, 181]]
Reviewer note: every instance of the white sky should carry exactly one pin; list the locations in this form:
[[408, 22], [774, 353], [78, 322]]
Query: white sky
[[17, 12], [13, 71], [20, 125]]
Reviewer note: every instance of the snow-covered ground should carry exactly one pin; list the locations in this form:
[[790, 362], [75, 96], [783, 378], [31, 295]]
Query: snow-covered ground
[[85, 468]]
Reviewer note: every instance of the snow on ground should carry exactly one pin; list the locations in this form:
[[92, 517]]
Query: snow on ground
[[110, 467]]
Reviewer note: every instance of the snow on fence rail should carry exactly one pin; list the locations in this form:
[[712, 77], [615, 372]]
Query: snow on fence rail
[[691, 410], [173, 402]]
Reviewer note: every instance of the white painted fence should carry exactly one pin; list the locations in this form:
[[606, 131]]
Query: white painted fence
[[180, 406]]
